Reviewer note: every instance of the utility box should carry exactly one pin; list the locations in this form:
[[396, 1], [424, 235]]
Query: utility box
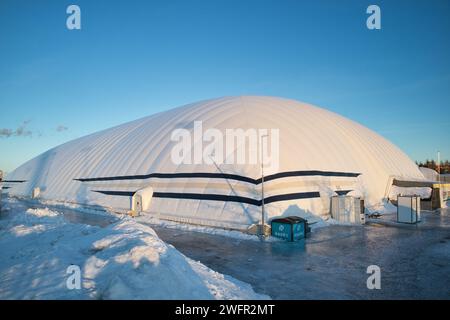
[[141, 200], [347, 209], [408, 209], [290, 228], [35, 193]]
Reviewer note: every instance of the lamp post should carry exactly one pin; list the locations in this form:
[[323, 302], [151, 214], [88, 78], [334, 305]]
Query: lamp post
[[439, 167], [440, 193], [262, 231]]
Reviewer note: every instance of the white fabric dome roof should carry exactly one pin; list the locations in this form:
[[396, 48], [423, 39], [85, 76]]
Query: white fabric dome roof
[[312, 140]]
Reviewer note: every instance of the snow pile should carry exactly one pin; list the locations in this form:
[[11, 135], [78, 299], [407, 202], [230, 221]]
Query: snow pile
[[125, 260], [224, 287], [382, 208], [422, 192], [74, 206]]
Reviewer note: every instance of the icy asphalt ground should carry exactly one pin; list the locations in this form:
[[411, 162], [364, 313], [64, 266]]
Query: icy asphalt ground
[[331, 263]]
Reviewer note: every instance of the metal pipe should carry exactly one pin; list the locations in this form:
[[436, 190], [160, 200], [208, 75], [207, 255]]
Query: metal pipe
[[439, 167], [262, 185]]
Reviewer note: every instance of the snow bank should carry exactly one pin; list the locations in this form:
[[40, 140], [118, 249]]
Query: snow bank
[[74, 206], [125, 260], [422, 192], [382, 208]]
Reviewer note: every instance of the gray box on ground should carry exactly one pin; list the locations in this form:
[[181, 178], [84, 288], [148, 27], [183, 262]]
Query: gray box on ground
[[408, 209]]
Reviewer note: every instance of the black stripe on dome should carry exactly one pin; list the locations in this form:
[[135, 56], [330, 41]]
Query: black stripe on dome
[[211, 197], [291, 196], [228, 176], [221, 197], [116, 193], [307, 173], [172, 176]]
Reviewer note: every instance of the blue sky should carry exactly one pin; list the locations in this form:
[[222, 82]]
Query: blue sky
[[135, 58]]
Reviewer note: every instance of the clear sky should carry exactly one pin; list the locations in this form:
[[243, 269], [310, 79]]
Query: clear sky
[[134, 58]]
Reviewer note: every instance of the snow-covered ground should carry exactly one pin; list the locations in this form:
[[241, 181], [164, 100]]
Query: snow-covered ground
[[235, 234], [124, 260]]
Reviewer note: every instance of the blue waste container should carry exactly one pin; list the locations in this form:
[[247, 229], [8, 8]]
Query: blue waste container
[[289, 228], [305, 229]]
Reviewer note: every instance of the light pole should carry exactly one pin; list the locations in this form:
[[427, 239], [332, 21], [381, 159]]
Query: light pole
[[439, 167], [262, 231]]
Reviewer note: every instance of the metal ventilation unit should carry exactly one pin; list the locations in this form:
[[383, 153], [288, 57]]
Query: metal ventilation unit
[[347, 209], [408, 209]]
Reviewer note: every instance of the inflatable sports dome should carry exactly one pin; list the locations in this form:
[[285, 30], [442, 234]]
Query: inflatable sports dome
[[313, 153]]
